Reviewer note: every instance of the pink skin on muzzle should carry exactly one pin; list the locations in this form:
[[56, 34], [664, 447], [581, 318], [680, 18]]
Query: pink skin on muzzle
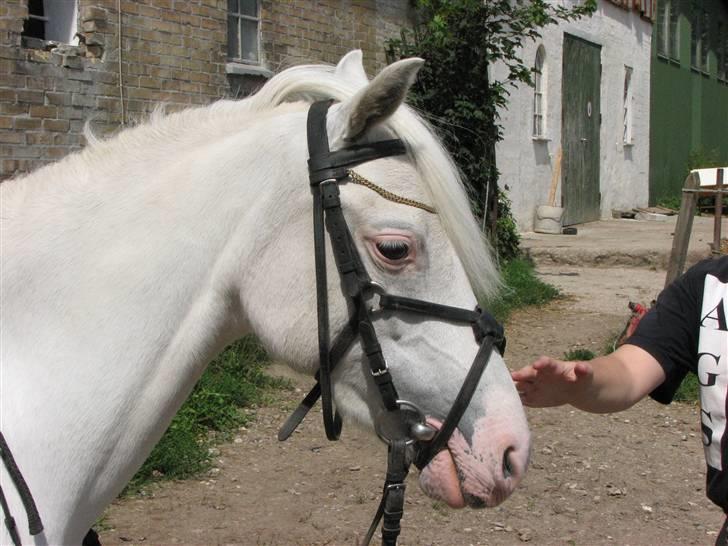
[[473, 474]]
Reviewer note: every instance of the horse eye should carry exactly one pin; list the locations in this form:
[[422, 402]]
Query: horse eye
[[393, 250]]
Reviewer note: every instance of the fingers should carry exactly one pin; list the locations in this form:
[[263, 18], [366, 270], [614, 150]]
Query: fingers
[[582, 369], [529, 373], [524, 374], [546, 363]]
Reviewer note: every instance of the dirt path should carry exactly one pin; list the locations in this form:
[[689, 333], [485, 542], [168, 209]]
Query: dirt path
[[634, 478]]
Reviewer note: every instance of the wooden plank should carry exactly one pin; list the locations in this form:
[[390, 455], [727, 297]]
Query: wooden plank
[[683, 228], [718, 212], [555, 177]]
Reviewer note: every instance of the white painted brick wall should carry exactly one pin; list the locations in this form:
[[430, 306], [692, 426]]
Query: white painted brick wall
[[526, 164]]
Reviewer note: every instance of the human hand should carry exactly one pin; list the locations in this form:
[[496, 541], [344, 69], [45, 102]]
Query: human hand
[[549, 382]]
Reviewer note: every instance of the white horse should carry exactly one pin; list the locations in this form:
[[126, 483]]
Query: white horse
[[128, 266]]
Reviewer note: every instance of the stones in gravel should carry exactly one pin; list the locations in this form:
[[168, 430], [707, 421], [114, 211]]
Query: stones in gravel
[[525, 535], [613, 491]]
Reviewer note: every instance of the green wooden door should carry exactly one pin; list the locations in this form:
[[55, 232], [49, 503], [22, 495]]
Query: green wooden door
[[580, 130]]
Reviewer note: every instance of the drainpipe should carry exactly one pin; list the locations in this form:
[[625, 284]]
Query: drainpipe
[[121, 78]]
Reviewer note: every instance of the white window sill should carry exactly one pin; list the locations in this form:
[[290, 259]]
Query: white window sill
[[540, 139], [242, 69], [628, 144]]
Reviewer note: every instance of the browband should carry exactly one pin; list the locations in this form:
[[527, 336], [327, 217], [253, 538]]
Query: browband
[[323, 164]]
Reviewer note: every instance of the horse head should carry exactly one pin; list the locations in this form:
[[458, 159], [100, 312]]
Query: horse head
[[410, 223]]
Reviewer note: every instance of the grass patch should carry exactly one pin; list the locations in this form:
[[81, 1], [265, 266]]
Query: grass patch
[[521, 288], [689, 390], [579, 354], [670, 202], [236, 379]]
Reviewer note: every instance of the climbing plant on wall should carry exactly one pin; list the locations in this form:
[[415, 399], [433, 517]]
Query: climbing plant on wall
[[460, 40]]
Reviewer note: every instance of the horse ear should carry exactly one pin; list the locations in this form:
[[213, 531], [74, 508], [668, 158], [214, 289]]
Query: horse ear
[[351, 69], [377, 101]]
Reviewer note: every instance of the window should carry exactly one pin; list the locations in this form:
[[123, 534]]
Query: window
[[627, 106], [51, 20], [646, 8], [666, 29], [699, 38], [243, 29], [539, 98]]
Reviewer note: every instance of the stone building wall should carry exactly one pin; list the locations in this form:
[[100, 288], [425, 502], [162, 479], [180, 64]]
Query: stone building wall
[[168, 51]]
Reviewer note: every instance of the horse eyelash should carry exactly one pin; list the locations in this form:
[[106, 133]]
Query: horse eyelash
[[392, 243]]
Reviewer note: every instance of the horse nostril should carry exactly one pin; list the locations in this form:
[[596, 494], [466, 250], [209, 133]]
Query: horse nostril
[[508, 469]]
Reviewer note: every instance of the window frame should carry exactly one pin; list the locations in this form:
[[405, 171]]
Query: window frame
[[538, 125], [699, 26], [667, 30], [239, 17], [59, 20], [722, 54], [628, 107]]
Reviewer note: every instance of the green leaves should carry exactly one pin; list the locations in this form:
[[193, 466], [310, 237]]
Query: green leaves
[[460, 40]]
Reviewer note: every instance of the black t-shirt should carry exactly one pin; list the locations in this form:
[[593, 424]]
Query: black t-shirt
[[687, 331]]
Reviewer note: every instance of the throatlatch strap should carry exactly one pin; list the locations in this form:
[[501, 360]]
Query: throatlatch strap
[[332, 422], [318, 144]]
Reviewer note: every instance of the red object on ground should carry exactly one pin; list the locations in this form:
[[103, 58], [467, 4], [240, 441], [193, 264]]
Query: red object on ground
[[638, 311]]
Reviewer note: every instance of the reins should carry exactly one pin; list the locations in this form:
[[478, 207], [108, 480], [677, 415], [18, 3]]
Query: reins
[[402, 424], [35, 525]]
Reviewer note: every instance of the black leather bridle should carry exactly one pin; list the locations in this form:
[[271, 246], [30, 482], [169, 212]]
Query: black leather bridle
[[403, 424]]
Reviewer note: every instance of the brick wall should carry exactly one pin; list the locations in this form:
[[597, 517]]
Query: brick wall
[[172, 52], [294, 33]]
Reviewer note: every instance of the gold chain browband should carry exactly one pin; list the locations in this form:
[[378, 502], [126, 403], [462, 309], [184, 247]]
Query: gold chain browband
[[388, 195]]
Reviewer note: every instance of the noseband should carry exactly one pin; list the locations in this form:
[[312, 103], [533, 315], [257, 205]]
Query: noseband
[[403, 423]]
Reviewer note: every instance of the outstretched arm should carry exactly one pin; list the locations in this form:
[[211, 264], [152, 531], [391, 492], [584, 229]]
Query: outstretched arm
[[606, 384]]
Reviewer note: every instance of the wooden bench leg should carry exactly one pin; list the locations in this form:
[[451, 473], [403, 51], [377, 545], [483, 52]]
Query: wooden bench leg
[[683, 227], [718, 213]]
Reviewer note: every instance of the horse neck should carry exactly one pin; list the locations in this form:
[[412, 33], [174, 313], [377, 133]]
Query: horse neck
[[131, 288]]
